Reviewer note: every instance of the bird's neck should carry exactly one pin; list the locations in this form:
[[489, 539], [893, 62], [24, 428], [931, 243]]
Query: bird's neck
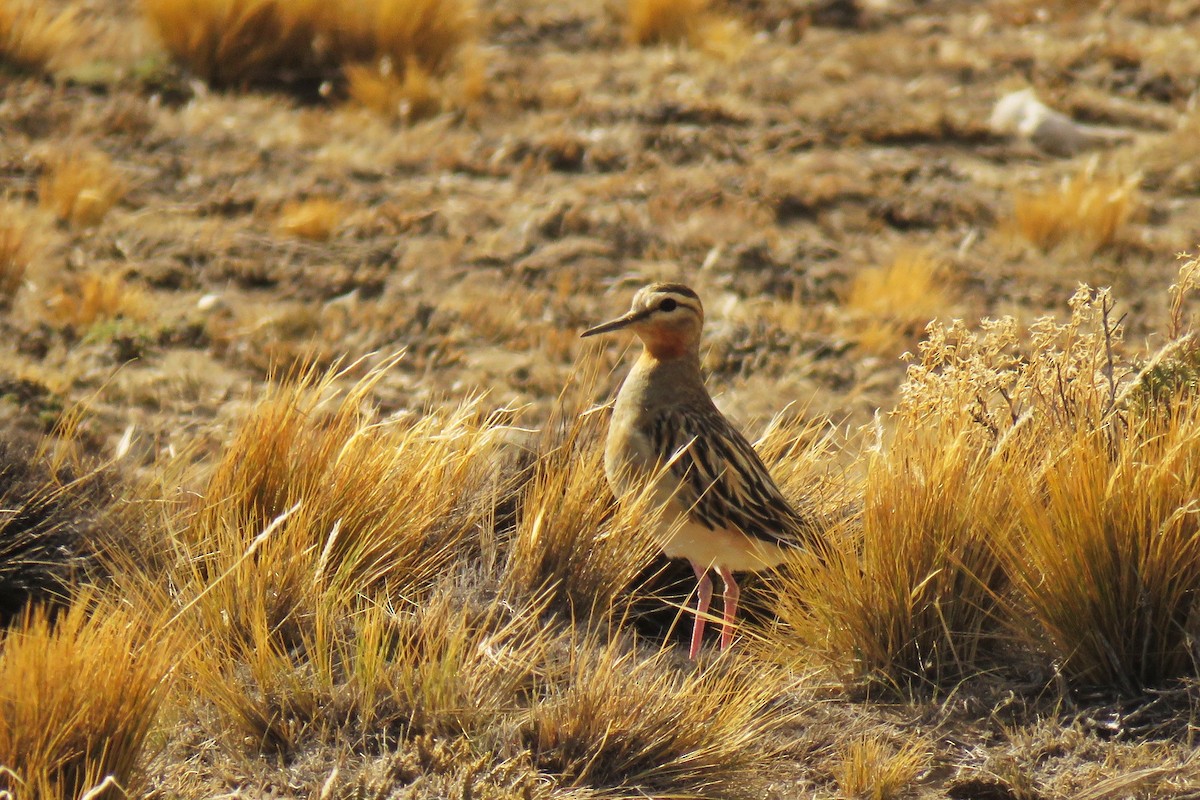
[[669, 346], [677, 372]]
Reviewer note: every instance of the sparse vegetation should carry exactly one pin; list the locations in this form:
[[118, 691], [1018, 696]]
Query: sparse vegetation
[[307, 569]]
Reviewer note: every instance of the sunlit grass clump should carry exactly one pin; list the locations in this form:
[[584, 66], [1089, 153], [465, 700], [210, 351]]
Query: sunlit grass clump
[[889, 306], [622, 720], [81, 188], [872, 768], [684, 22], [79, 696], [571, 540], [317, 219], [1035, 490], [94, 297], [15, 254], [395, 56], [1087, 211], [34, 38]]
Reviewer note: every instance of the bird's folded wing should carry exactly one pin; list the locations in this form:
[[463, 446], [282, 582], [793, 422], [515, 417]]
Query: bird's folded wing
[[724, 483]]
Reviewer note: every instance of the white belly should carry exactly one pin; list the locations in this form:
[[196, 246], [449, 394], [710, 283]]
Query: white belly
[[732, 550]]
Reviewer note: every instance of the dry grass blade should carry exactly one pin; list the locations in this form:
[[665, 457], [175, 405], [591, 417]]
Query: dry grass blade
[[79, 696], [33, 38]]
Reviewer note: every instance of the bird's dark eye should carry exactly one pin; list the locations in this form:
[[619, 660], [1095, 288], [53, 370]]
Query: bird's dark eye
[[668, 305]]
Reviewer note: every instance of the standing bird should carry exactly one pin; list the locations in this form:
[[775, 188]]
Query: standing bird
[[722, 509]]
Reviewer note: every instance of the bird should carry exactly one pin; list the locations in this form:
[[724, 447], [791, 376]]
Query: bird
[[722, 510]]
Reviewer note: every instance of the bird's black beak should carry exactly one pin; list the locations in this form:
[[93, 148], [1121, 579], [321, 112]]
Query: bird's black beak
[[617, 324]]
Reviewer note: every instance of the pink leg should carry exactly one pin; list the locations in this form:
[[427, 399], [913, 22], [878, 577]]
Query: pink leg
[[732, 593], [704, 592]]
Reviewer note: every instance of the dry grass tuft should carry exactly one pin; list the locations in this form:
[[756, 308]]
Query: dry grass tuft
[[94, 297], [446, 666], [690, 22], [1086, 212], [33, 38], [14, 256], [571, 539], [910, 601], [80, 189], [1107, 556], [871, 768], [626, 720], [53, 517], [891, 305], [363, 485], [411, 96], [316, 219], [234, 42], [78, 698]]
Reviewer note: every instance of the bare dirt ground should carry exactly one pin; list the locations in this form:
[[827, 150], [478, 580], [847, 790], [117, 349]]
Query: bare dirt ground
[[483, 240]]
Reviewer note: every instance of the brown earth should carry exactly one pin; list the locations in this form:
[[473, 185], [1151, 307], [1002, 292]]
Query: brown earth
[[483, 240]]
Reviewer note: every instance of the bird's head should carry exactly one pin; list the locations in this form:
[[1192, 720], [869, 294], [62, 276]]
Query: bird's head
[[667, 317]]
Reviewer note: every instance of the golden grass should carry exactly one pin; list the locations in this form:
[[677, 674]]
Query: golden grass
[[1106, 558], [891, 305], [871, 768], [362, 485], [410, 96], [1087, 212], [690, 22], [317, 219], [33, 38], [233, 42], [230, 42], [440, 667], [81, 188], [78, 698], [15, 257], [85, 300], [910, 600], [571, 540], [624, 720]]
